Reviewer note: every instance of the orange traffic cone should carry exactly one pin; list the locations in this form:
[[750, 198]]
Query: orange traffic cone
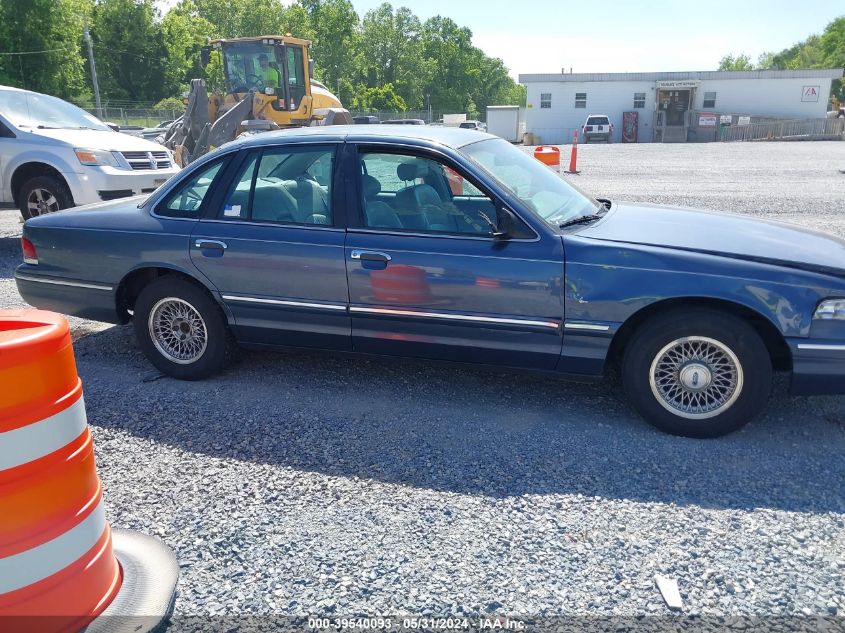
[[58, 570], [573, 156]]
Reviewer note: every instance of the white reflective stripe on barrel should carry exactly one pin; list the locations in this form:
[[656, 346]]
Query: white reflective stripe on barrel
[[33, 565], [28, 443]]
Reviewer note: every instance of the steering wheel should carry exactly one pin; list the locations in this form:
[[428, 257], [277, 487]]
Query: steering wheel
[[256, 81]]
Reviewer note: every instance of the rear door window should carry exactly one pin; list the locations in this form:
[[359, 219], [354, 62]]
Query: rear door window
[[283, 185], [187, 198], [597, 120]]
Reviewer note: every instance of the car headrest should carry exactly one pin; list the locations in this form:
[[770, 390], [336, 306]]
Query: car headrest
[[372, 186], [408, 171]]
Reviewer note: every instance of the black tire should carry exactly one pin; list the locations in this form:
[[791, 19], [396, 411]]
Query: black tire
[[171, 295], [59, 196], [660, 401]]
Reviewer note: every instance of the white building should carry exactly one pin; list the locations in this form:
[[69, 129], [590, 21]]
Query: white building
[[672, 106]]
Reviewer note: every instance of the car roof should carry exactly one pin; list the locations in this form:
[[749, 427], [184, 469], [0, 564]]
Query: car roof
[[450, 136], [13, 89]]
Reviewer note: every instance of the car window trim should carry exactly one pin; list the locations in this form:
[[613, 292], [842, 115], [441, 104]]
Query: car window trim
[[356, 221], [442, 235]]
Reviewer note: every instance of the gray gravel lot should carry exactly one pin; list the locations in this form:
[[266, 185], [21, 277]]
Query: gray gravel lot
[[299, 484]]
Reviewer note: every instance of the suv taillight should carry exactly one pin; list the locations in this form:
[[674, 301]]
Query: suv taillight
[[29, 254]]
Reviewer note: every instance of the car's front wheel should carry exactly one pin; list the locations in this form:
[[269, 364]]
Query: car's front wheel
[[43, 194], [697, 374], [181, 329]]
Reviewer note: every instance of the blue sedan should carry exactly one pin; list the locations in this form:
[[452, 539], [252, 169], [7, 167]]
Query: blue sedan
[[451, 245]]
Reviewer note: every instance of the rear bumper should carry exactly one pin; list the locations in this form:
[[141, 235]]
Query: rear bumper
[[89, 300], [818, 366]]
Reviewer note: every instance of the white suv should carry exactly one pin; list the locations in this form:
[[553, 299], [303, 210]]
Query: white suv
[[54, 155], [473, 125], [598, 126]]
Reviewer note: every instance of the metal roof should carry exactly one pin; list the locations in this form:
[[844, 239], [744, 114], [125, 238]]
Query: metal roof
[[809, 73], [449, 136]]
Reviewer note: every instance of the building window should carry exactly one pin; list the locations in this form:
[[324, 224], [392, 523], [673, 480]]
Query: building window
[[639, 99], [545, 99], [709, 99], [580, 99]]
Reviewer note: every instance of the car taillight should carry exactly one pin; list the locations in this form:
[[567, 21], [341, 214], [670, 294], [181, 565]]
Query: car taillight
[[29, 254]]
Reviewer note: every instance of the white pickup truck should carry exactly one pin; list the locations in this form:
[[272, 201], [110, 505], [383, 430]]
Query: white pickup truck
[[54, 155]]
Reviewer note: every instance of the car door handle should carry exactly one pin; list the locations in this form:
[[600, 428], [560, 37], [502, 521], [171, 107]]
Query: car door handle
[[216, 244], [370, 256]]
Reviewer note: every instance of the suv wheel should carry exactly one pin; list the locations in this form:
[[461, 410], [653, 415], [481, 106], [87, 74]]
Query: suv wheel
[[43, 194], [700, 374], [181, 329]]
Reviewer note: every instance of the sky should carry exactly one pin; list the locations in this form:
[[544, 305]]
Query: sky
[[544, 36]]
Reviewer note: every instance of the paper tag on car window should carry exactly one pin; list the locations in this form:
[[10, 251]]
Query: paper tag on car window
[[232, 211]]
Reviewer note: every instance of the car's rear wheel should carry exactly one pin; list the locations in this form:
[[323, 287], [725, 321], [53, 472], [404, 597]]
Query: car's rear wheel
[[700, 374], [181, 329], [43, 194]]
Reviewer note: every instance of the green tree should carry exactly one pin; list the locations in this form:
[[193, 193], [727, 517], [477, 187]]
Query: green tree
[[132, 58], [185, 32], [448, 48], [391, 52], [50, 33], [740, 62], [379, 98], [334, 27]]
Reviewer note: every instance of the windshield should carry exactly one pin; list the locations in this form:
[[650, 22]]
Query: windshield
[[542, 190], [251, 65], [33, 110]]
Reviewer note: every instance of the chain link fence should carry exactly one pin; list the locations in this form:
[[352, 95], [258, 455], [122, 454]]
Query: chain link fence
[[145, 115], [142, 117]]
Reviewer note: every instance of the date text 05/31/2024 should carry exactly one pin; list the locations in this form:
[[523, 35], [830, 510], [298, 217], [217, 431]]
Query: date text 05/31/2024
[[496, 623]]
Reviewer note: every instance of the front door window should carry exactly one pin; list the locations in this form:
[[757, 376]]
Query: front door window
[[415, 193]]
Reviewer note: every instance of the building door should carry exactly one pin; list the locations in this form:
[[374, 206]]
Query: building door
[[675, 104], [674, 109]]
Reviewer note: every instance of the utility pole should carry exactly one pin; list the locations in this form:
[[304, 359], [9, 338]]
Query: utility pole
[[93, 70]]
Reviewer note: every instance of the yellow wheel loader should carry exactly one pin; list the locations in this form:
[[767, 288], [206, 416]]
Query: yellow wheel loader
[[267, 85]]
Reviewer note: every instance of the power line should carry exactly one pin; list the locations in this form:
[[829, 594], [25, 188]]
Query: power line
[[49, 50]]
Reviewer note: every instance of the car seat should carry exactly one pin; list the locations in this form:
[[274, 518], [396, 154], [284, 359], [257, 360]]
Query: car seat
[[377, 214]]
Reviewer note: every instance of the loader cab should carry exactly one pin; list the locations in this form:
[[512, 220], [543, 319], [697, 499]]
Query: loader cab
[[267, 65]]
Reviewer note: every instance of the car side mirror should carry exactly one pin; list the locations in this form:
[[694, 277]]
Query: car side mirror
[[205, 56], [496, 231]]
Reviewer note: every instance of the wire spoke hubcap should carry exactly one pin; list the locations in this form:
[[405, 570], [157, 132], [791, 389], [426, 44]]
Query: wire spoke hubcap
[[177, 330], [41, 201], [696, 377]]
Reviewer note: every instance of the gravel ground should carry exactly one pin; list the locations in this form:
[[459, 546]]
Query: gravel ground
[[325, 485]]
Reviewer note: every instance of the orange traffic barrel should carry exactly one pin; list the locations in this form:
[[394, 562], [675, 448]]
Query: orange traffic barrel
[[58, 568], [549, 155]]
